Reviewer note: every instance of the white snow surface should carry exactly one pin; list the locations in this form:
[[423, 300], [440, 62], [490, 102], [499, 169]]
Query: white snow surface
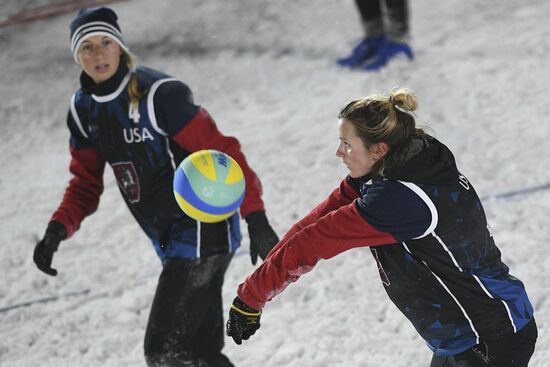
[[265, 70]]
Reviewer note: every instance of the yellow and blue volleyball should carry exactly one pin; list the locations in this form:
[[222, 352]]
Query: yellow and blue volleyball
[[209, 185]]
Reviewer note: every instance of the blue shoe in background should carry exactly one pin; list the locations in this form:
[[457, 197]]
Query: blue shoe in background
[[364, 50], [387, 51]]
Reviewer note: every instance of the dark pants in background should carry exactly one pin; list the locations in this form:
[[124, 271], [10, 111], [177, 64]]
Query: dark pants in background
[[185, 326], [384, 17]]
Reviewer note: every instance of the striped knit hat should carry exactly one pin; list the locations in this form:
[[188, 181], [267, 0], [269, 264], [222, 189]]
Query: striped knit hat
[[94, 22]]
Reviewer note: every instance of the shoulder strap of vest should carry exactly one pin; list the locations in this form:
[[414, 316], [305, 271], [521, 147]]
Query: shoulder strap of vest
[[151, 104], [76, 118]]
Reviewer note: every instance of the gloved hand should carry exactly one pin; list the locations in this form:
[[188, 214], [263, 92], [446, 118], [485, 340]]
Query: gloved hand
[[43, 252], [262, 237], [243, 321]]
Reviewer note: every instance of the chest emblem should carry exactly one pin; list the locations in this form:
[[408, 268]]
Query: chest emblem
[[127, 179]]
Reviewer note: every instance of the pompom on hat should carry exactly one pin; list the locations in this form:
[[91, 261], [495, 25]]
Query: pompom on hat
[[94, 22]]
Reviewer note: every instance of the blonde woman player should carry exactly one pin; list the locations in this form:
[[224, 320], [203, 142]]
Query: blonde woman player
[[142, 123]]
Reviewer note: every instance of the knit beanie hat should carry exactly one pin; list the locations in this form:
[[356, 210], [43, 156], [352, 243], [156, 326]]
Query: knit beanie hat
[[94, 22]]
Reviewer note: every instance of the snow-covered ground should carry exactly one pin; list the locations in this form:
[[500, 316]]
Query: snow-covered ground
[[265, 70]]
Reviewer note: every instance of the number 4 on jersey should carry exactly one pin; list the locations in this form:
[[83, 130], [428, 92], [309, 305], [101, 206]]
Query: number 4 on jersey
[[133, 112]]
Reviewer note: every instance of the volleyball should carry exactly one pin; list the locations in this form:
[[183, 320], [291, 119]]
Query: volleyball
[[209, 185]]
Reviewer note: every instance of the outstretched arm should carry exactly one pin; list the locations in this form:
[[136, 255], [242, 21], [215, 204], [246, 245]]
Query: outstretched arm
[[387, 213], [336, 232], [341, 196], [295, 256]]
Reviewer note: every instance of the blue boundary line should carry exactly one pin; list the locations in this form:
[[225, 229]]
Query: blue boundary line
[[44, 300], [510, 194]]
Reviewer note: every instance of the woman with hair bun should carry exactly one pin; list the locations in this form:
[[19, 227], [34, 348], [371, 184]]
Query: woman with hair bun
[[405, 198]]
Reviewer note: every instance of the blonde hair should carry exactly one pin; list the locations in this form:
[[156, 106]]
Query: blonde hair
[[384, 119], [133, 88]]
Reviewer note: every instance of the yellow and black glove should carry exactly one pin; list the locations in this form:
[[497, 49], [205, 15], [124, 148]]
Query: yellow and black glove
[[243, 321]]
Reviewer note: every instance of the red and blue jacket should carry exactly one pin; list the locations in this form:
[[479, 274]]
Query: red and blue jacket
[[428, 233]]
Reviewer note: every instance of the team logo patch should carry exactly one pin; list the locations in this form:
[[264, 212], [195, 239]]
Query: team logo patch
[[127, 179]]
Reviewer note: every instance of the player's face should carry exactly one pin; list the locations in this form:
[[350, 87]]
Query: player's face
[[99, 57], [357, 158]]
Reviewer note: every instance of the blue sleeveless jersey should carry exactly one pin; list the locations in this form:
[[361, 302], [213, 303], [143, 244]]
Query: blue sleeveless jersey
[[136, 142]]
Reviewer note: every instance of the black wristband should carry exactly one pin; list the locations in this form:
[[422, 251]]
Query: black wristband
[[243, 306]]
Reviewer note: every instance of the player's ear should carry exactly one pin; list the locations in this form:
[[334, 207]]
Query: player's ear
[[380, 149]]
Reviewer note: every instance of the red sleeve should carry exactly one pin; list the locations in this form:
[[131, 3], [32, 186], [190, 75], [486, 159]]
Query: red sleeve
[[201, 133], [343, 195], [81, 197], [336, 232]]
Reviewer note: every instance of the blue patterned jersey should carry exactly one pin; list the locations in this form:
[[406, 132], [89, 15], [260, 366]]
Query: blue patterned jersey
[[141, 143], [445, 274]]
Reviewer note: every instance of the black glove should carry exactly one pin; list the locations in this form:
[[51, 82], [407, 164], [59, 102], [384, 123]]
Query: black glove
[[43, 252], [262, 237], [243, 321]]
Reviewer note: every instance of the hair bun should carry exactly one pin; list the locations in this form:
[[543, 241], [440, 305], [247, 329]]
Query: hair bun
[[403, 98]]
